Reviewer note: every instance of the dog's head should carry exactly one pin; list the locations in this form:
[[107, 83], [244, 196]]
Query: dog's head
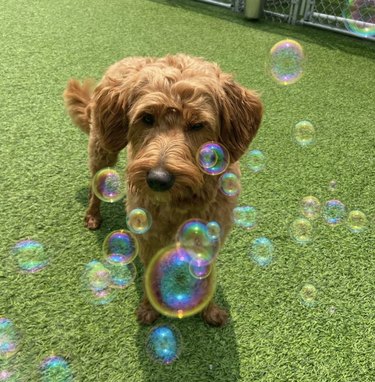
[[164, 110]]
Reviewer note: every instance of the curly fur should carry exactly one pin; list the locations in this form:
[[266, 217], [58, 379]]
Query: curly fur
[[178, 91]]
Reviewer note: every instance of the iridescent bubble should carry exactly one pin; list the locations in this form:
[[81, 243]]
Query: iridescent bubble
[[97, 282], [334, 212], [310, 207], [308, 295], [301, 231], [56, 369], [30, 255], [200, 268], [286, 62], [172, 289], [359, 17], [304, 133], [9, 374], [229, 184], [122, 275], [213, 230], [245, 217], [213, 158], [8, 339], [261, 251], [195, 237], [120, 247], [255, 160], [357, 221], [139, 220], [164, 344], [332, 186], [108, 185]]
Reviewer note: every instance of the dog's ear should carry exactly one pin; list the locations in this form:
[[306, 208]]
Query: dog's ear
[[241, 115], [109, 115]]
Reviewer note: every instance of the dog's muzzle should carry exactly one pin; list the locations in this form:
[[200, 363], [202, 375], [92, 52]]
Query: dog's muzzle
[[159, 179]]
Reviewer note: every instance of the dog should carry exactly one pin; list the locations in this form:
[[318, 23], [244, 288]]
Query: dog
[[162, 110]]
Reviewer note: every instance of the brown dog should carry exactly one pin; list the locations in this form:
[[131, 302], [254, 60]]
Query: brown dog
[[162, 110]]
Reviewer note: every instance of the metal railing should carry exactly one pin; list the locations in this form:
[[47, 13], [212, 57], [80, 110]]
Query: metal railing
[[351, 17]]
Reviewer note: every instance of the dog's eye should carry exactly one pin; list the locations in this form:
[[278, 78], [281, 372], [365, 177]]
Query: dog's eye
[[148, 119], [196, 126]]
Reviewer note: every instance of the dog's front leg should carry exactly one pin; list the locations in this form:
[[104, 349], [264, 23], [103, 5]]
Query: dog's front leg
[[146, 314], [99, 158]]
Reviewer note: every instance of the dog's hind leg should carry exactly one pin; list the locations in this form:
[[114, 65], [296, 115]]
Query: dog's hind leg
[[213, 315], [98, 158]]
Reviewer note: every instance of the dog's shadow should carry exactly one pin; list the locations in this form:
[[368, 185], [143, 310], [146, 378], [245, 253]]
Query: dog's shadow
[[206, 353]]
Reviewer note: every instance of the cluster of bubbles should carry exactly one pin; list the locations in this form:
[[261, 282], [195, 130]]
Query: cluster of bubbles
[[108, 185], [103, 279], [359, 16], [180, 280], [333, 211], [52, 368], [286, 64]]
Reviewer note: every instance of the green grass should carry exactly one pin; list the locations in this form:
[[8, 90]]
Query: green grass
[[43, 192]]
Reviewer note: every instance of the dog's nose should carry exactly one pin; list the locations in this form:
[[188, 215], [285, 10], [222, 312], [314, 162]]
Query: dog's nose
[[159, 179]]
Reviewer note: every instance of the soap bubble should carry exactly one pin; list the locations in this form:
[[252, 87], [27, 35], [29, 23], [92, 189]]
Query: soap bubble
[[261, 251], [120, 247], [357, 221], [332, 186], [304, 133], [359, 17], [122, 275], [108, 185], [213, 230], [30, 255], [56, 369], [245, 217], [229, 184], [8, 339], [301, 231], [171, 288], [195, 237], [139, 220], [164, 344], [334, 212], [286, 60], [255, 160], [308, 295], [213, 158], [310, 207], [97, 282]]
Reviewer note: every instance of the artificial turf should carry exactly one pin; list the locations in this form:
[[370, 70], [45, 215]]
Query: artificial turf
[[44, 182]]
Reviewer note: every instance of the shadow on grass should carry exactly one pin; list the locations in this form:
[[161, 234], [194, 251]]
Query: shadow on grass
[[208, 354], [331, 40]]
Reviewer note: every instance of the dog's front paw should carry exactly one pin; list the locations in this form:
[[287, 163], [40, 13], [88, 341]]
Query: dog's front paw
[[214, 315], [146, 314], [93, 221]]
